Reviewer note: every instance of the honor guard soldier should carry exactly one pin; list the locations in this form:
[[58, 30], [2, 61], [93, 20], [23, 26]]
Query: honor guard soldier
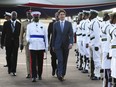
[[105, 46], [95, 31], [80, 39], [37, 39], [86, 40], [23, 41], [113, 49]]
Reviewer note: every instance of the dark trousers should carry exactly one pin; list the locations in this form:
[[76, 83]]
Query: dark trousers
[[92, 67], [11, 54], [53, 60], [62, 56], [37, 58], [6, 58], [107, 77]]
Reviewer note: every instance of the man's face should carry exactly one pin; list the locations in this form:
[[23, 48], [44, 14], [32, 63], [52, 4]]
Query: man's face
[[29, 15], [91, 16], [56, 16], [80, 17], [114, 20], [83, 16], [62, 16], [36, 18], [14, 16]]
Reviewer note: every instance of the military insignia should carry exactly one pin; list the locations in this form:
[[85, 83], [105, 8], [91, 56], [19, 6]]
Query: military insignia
[[41, 27]]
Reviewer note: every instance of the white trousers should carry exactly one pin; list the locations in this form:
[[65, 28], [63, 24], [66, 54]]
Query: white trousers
[[97, 61]]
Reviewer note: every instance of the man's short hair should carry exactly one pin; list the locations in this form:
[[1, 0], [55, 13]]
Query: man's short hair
[[61, 10]]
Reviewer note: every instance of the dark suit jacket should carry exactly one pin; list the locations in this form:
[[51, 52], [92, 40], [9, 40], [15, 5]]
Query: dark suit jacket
[[50, 32], [62, 38], [8, 35]]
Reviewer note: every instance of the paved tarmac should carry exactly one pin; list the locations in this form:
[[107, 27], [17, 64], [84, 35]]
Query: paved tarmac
[[73, 78]]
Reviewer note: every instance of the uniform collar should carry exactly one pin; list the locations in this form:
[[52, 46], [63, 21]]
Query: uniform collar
[[94, 19], [87, 20]]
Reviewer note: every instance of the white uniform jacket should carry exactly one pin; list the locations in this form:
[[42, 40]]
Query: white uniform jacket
[[86, 31], [37, 36], [95, 32], [113, 51], [113, 41], [79, 31], [106, 46]]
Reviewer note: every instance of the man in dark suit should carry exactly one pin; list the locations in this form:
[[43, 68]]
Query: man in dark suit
[[62, 42], [10, 38]]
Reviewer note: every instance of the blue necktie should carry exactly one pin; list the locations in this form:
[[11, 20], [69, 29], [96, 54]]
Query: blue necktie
[[62, 26]]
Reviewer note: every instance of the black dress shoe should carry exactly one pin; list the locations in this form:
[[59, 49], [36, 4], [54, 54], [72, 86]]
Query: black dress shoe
[[5, 65], [80, 68], [85, 71], [61, 78], [28, 76], [95, 78], [33, 79]]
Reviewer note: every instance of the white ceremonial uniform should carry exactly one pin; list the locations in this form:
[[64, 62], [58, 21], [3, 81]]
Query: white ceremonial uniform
[[86, 39], [113, 51], [95, 31], [81, 37], [79, 45], [37, 36], [106, 63]]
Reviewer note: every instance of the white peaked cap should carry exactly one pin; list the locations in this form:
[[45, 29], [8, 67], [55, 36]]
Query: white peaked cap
[[7, 14], [35, 13], [95, 11], [86, 11], [53, 18]]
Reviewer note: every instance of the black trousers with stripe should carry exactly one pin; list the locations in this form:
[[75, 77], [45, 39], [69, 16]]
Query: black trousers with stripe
[[36, 61]]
